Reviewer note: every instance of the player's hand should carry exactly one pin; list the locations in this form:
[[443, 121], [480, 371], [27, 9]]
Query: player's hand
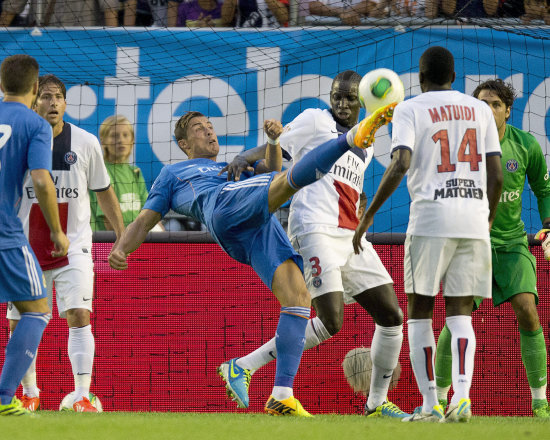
[[61, 244], [236, 167], [273, 128], [544, 236], [117, 259], [364, 224]]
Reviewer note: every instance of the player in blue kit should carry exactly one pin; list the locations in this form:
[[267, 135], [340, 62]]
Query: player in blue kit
[[239, 217], [25, 144]]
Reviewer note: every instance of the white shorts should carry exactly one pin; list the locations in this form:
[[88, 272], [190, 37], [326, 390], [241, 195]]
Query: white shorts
[[74, 286], [330, 265], [462, 264]]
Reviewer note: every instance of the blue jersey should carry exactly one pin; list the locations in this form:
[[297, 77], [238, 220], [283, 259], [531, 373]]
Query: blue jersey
[[190, 188], [25, 144]]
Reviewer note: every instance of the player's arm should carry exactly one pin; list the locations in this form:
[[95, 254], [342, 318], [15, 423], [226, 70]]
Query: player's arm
[[401, 161], [243, 162], [132, 238], [494, 184], [47, 199], [108, 203], [273, 153]]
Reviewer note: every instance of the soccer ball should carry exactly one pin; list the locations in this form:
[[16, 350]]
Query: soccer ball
[[67, 402], [379, 88]]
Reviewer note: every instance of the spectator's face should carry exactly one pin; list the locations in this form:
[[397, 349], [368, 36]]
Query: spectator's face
[[344, 101], [201, 141], [51, 105], [500, 111], [118, 143]]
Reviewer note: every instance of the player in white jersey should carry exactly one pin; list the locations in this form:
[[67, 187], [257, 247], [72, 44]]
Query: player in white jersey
[[77, 166], [322, 221], [449, 144]]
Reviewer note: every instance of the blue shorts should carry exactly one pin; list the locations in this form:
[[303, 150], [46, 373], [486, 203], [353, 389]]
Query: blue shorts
[[21, 278], [244, 228]]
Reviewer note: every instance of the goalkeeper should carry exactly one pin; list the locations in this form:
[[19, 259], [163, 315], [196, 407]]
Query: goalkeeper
[[514, 267]]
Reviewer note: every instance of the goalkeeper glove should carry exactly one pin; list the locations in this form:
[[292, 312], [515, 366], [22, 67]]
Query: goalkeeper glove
[[544, 236]]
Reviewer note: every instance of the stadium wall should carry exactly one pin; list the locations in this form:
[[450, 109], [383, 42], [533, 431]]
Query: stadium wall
[[163, 326]]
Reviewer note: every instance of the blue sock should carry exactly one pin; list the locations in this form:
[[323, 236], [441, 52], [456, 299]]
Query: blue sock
[[317, 162], [20, 352], [289, 340]]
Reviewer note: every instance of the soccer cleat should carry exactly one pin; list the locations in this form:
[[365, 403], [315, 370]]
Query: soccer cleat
[[435, 416], [387, 409], [459, 412], [84, 405], [237, 381], [364, 137], [30, 403], [15, 408], [286, 407], [541, 409]]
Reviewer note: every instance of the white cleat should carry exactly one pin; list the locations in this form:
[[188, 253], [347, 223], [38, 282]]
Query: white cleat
[[437, 415]]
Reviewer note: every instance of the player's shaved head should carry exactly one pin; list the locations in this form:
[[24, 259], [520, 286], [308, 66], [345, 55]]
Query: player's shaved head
[[18, 74], [437, 66], [344, 98], [347, 76], [180, 132]]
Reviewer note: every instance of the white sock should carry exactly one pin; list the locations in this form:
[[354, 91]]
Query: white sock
[[282, 393], [463, 348], [315, 334], [442, 392], [30, 388], [384, 352], [81, 354], [422, 354], [538, 393]]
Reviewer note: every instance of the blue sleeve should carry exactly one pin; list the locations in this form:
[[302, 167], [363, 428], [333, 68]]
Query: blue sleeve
[[160, 196], [40, 148]]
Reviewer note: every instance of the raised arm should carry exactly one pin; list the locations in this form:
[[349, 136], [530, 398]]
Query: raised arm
[[132, 238], [47, 199]]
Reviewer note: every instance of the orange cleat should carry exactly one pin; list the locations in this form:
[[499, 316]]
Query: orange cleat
[[364, 137], [84, 405], [30, 403]]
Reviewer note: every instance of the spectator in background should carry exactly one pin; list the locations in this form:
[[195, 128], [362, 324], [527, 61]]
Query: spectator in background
[[200, 13], [117, 139], [458, 8], [255, 13], [164, 12], [536, 10], [59, 13], [112, 8], [349, 11], [504, 8]]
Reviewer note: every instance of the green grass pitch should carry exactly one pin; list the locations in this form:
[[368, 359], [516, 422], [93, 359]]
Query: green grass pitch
[[151, 426]]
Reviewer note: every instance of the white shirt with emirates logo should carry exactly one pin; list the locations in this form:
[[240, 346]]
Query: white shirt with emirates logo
[[332, 201], [77, 166], [450, 134]]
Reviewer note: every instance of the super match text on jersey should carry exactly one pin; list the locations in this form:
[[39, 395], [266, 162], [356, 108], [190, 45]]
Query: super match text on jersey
[[62, 193], [464, 188]]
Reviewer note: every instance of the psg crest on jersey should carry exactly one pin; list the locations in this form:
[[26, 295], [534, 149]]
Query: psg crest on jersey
[[317, 282], [512, 165], [70, 157]]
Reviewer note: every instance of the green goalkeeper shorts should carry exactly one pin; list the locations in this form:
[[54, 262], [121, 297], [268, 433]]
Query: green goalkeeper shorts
[[514, 271]]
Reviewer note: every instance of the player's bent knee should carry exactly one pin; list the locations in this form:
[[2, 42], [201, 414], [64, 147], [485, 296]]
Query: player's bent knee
[[333, 324], [78, 317], [391, 318]]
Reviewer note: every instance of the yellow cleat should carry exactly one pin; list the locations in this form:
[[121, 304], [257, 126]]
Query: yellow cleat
[[459, 412], [287, 407], [15, 408], [364, 137]]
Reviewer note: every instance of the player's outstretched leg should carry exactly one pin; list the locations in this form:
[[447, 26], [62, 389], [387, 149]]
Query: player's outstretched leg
[[443, 366], [14, 408], [237, 381]]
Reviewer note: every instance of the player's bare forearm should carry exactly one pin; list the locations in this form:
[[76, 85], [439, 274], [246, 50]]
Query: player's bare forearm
[[108, 203], [273, 153], [494, 184], [47, 198]]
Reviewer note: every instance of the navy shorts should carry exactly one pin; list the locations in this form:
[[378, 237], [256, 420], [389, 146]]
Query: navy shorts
[[244, 228], [20, 275]]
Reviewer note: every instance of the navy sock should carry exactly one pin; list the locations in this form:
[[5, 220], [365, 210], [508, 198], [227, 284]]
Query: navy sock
[[317, 162], [20, 352], [290, 340]]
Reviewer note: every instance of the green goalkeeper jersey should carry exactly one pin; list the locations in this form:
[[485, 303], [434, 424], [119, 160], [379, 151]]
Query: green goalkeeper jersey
[[521, 157]]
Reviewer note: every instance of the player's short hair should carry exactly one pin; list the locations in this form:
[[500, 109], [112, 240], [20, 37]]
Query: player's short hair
[[347, 75], [180, 132], [18, 74], [50, 78], [437, 65], [503, 90], [111, 122]]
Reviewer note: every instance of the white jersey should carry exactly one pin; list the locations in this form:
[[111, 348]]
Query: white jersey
[[449, 134], [332, 201], [77, 166]]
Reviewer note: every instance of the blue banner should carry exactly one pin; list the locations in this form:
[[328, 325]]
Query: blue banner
[[241, 77]]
